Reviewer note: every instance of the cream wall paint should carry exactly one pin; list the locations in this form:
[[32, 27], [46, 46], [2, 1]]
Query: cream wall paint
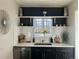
[[6, 41], [43, 3], [71, 21], [76, 31], [76, 34]]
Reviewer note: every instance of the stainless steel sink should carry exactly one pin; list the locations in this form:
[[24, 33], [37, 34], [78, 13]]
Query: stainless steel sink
[[42, 44]]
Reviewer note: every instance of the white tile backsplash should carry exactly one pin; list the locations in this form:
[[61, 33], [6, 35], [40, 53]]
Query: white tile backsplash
[[28, 31], [58, 31], [39, 40]]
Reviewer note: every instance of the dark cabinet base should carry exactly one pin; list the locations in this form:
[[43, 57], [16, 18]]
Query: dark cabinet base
[[43, 53]]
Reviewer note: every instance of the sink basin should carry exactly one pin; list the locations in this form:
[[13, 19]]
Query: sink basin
[[42, 44]]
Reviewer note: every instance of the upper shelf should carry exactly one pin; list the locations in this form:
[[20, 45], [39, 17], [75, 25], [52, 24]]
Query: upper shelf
[[43, 16]]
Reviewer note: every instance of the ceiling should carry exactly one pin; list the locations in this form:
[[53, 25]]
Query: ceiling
[[43, 3]]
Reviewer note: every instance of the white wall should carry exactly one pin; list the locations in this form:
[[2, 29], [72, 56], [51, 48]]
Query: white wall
[[6, 41], [71, 21], [76, 34]]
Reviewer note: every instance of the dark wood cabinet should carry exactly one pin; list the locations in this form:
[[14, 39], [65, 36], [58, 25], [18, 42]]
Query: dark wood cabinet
[[21, 53], [65, 53], [17, 53], [38, 11], [36, 53], [26, 22], [59, 21], [32, 11], [49, 53], [25, 53], [54, 11], [43, 53]]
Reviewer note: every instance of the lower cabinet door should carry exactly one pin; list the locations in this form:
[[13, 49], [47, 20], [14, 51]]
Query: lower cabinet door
[[49, 53], [59, 56], [36, 53], [16, 53], [25, 53], [65, 53]]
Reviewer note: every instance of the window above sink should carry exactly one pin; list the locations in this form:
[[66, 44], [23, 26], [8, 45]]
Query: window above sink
[[42, 26]]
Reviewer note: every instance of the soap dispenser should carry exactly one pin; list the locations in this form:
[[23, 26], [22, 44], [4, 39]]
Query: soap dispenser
[[33, 40], [51, 40]]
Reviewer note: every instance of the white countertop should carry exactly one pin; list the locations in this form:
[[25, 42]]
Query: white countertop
[[53, 45]]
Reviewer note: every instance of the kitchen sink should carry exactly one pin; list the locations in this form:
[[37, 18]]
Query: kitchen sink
[[42, 44]]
